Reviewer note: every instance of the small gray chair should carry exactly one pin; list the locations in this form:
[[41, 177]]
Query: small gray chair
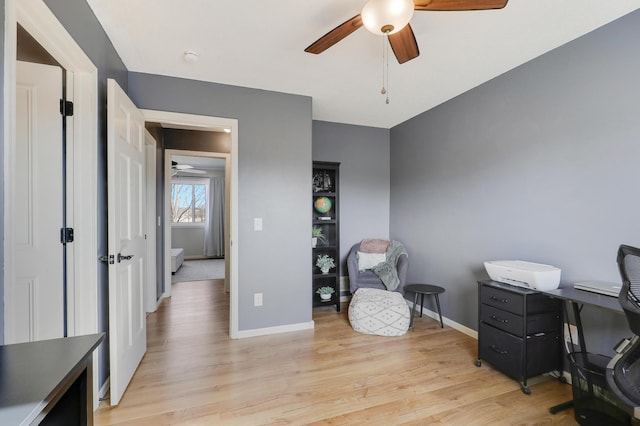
[[368, 278]]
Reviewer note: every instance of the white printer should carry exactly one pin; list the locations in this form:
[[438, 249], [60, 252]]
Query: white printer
[[536, 276]]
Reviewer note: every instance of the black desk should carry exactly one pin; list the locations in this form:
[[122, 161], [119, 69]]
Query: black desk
[[581, 297], [575, 298], [570, 294], [48, 382]]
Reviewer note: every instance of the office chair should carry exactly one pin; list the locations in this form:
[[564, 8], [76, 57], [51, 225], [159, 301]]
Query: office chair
[[623, 372]]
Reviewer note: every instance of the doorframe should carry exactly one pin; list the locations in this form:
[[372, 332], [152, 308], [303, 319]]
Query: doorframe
[[41, 23], [150, 288], [202, 122]]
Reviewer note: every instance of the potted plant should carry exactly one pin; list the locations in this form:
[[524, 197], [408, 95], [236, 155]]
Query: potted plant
[[325, 263], [325, 292], [317, 235]]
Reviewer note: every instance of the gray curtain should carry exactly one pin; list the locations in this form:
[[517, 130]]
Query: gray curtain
[[214, 230]]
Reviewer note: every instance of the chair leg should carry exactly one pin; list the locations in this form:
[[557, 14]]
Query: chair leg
[[421, 304]]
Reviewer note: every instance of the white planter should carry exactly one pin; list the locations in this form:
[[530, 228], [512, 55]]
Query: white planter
[[314, 242], [325, 296]]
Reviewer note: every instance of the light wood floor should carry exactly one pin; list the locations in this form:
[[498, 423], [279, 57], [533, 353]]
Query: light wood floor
[[194, 374]]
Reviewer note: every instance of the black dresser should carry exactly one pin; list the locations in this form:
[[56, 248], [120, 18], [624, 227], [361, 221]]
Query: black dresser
[[519, 331]]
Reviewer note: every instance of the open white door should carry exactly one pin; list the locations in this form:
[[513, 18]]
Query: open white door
[[34, 295], [127, 227]]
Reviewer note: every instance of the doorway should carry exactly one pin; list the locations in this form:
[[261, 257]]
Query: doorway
[[35, 291], [198, 216], [41, 24], [172, 120]]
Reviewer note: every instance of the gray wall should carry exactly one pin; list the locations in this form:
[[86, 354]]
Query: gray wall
[[274, 179], [363, 154], [81, 23], [2, 174], [539, 164], [191, 239]]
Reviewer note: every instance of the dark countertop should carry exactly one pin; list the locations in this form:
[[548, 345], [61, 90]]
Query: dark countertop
[[586, 297], [32, 373]]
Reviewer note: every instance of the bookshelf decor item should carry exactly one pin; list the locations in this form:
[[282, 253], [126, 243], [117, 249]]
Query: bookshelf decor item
[[325, 219], [325, 263], [325, 293]]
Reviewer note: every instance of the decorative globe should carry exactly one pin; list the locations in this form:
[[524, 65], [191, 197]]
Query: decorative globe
[[322, 204]]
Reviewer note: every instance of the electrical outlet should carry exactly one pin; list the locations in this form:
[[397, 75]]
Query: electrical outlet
[[570, 328], [257, 299]]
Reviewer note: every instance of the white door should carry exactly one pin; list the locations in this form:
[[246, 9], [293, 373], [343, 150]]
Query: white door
[[127, 227], [33, 291]]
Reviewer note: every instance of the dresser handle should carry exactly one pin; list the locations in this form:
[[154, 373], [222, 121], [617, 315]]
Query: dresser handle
[[501, 352], [499, 300], [495, 318]]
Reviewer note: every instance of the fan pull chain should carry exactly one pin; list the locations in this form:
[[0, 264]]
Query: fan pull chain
[[385, 66], [384, 76]]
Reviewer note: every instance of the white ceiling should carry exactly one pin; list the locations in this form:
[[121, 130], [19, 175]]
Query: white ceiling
[[260, 44]]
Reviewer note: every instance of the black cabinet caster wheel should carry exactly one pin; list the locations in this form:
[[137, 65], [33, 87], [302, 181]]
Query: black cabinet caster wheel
[[526, 390], [478, 363]]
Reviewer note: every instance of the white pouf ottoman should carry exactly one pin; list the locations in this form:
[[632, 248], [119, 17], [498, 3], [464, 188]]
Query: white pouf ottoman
[[381, 312]]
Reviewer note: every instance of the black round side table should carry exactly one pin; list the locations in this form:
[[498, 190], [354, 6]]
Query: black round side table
[[422, 289]]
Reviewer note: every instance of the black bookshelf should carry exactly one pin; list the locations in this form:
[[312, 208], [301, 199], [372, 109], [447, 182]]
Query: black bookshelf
[[326, 186]]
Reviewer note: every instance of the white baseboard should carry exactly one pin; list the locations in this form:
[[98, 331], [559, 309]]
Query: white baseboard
[[164, 296], [344, 284], [456, 326], [104, 389], [276, 330]]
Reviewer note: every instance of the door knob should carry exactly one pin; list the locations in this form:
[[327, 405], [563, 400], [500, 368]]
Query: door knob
[[121, 257]]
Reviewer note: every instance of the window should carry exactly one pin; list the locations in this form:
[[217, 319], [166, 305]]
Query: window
[[188, 202]]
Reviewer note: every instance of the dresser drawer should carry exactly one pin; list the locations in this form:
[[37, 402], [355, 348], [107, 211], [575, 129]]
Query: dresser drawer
[[504, 351], [500, 349], [512, 323], [501, 319], [502, 299]]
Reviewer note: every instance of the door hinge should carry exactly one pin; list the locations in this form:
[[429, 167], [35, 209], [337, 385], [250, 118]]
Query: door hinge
[[66, 108], [110, 259], [66, 235]]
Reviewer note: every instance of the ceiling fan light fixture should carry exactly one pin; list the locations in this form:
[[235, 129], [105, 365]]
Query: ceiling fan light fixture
[[386, 16]]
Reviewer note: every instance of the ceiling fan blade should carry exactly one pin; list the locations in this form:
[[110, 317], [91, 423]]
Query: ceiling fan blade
[[335, 35], [404, 44], [459, 4]]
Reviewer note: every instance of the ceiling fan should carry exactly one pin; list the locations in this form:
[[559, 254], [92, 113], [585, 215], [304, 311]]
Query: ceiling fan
[[184, 168], [391, 18]]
